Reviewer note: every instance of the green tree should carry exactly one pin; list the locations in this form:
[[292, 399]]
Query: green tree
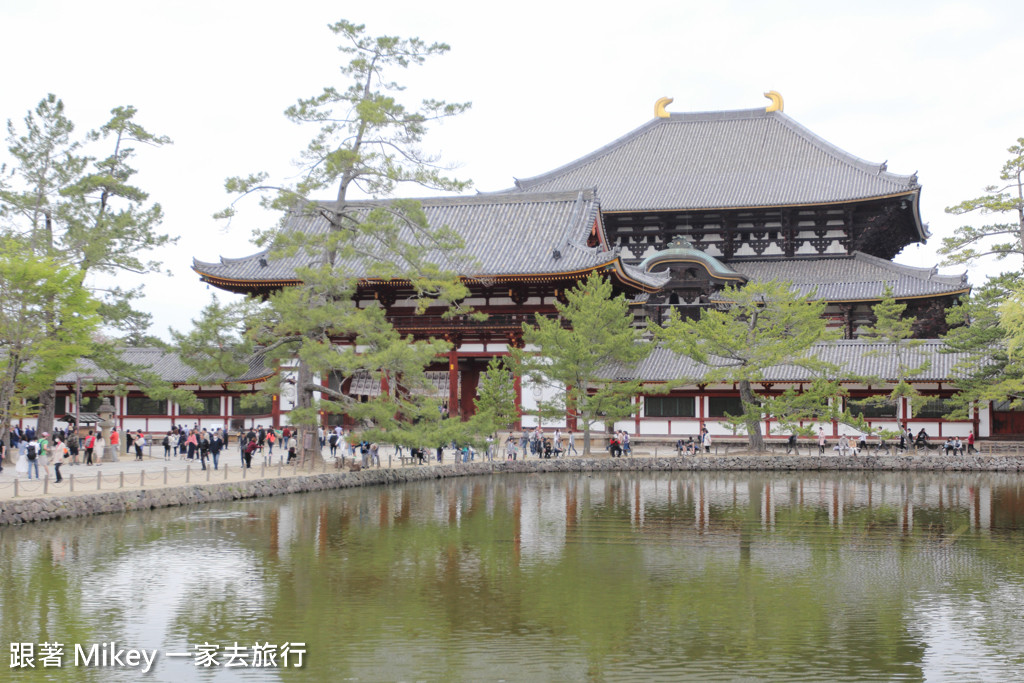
[[984, 370], [33, 291], [764, 325], [896, 331], [83, 211], [366, 141], [496, 408], [580, 354], [994, 239]]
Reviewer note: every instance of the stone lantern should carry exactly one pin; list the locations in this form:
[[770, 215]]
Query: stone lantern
[[106, 413]]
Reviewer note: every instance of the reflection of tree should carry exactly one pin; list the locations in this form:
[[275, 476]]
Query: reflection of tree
[[429, 580]]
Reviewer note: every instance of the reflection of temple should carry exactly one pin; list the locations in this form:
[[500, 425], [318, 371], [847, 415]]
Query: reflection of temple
[[550, 512], [673, 212]]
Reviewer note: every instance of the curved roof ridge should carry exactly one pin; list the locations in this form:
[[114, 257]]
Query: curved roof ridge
[[512, 196], [522, 183], [869, 167], [674, 118], [922, 272]]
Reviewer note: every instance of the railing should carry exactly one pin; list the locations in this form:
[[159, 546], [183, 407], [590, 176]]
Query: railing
[[504, 321]]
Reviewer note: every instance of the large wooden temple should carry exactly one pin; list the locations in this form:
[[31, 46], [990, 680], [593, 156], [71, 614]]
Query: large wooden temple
[[672, 212]]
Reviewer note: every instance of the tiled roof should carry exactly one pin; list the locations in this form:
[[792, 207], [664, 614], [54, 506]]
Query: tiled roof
[[854, 357], [853, 279], [719, 160], [168, 366], [505, 235]]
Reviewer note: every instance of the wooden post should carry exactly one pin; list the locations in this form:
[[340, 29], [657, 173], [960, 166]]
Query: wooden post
[[165, 475], [142, 478], [188, 473], [122, 480]]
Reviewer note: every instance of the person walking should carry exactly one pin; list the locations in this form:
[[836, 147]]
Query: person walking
[[72, 446], [193, 444], [216, 445], [60, 452], [32, 453], [90, 446], [139, 442], [44, 453], [821, 441], [570, 443], [204, 448], [706, 440]]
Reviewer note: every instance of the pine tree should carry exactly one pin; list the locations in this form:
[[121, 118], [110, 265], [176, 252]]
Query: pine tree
[[896, 331], [576, 354], [995, 239], [496, 408], [366, 141], [762, 325], [83, 211], [985, 370]]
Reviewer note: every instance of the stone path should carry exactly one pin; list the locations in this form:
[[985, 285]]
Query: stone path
[[129, 474]]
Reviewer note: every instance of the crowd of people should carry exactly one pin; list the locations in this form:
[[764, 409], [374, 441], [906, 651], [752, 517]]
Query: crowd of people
[[694, 445], [37, 453]]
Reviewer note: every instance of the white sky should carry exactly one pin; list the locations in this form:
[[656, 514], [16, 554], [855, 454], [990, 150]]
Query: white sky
[[926, 85]]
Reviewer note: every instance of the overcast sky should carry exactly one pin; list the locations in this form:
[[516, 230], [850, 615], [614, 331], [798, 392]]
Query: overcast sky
[[928, 86]]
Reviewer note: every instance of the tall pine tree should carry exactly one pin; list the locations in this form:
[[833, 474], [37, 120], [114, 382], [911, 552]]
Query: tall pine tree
[[366, 141]]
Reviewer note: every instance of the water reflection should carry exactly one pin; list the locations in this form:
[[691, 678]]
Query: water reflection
[[620, 576]]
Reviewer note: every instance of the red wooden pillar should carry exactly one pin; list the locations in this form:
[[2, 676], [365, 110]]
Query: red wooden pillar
[[275, 411], [700, 404], [453, 382], [636, 416]]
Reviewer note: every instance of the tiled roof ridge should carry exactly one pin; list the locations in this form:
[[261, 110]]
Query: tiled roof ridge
[[499, 197], [901, 182], [523, 184], [869, 167], [922, 272]]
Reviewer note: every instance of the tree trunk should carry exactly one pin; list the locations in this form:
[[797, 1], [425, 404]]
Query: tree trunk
[[309, 445], [47, 408], [751, 416]]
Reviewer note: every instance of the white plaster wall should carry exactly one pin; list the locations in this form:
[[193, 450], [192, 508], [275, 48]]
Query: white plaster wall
[[531, 394]]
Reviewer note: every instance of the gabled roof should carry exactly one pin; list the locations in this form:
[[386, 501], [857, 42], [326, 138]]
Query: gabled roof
[[854, 357], [723, 160], [506, 235], [860, 278], [168, 366]]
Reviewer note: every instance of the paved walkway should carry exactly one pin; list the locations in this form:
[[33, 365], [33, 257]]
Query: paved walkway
[[155, 472]]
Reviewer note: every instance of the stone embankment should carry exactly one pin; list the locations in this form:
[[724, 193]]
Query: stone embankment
[[42, 509]]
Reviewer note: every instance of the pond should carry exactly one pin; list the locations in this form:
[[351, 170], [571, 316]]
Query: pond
[[602, 577]]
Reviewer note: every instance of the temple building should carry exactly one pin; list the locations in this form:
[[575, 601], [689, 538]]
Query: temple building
[[672, 213]]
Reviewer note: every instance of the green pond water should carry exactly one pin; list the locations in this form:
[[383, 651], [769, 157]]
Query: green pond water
[[603, 577]]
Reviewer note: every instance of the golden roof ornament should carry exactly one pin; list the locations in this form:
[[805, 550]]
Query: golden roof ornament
[[776, 99], [659, 107]]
